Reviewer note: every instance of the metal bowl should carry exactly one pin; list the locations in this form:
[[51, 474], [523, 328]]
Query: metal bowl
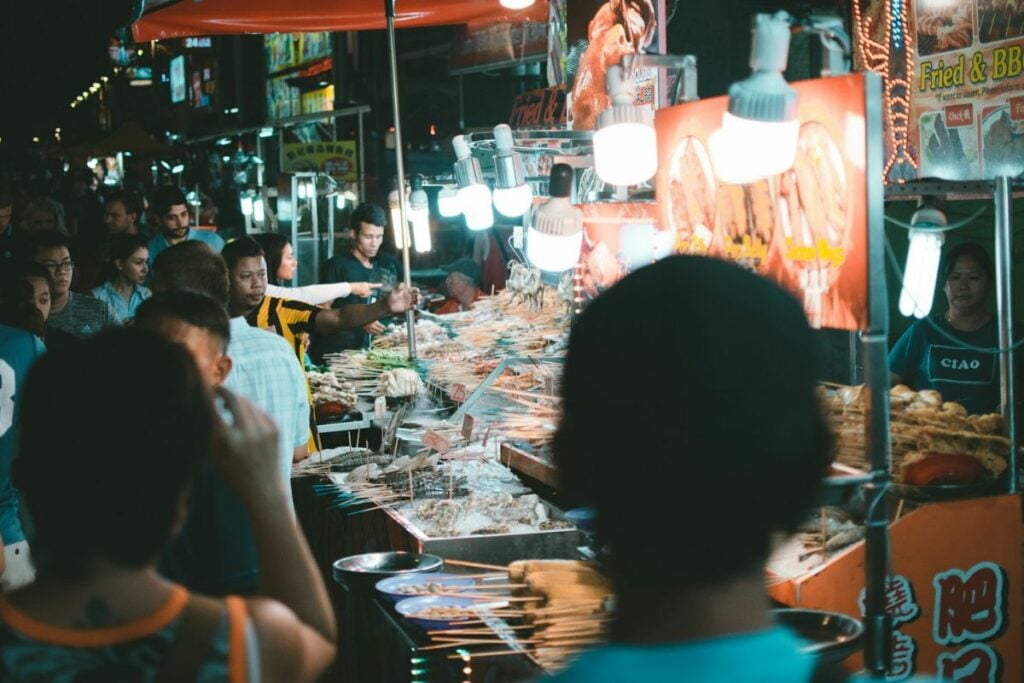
[[364, 571], [831, 636]]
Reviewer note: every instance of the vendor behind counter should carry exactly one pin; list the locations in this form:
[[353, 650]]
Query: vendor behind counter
[[946, 351]]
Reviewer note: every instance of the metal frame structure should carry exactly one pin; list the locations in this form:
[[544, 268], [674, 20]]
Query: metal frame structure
[[1001, 191]]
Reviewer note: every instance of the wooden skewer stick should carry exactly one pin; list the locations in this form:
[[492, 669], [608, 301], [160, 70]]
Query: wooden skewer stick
[[476, 565]]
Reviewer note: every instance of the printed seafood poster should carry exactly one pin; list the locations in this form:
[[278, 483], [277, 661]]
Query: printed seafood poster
[[805, 228], [967, 101]]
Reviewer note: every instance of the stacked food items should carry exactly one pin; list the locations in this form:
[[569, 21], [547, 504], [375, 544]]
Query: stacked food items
[[556, 609], [934, 442], [333, 397], [399, 383]]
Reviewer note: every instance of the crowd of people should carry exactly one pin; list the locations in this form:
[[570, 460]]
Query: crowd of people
[[168, 548], [203, 361]]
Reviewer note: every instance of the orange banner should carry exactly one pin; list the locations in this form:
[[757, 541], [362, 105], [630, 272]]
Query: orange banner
[[806, 228]]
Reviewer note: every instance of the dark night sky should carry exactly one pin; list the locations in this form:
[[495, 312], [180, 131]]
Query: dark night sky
[[51, 50]]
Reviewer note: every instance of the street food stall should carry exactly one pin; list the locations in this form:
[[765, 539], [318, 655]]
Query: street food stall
[[453, 416]]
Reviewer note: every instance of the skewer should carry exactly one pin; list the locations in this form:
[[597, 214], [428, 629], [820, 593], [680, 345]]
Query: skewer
[[476, 565]]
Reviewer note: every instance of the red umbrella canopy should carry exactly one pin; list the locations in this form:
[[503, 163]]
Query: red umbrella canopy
[[176, 19]]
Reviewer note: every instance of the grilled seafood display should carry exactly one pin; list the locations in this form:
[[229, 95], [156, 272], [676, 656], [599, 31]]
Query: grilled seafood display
[[923, 425], [691, 197], [943, 26]]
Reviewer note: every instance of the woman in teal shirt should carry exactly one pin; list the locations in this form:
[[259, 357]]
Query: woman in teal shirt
[[936, 352], [127, 268]]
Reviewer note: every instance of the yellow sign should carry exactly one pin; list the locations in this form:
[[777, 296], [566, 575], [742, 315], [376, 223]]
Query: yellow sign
[[337, 159]]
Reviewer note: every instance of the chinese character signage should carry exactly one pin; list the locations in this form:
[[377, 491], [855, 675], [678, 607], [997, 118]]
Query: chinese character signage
[[805, 228], [967, 89], [337, 159], [955, 599]]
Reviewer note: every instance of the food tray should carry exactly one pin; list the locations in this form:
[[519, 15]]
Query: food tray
[[498, 549]]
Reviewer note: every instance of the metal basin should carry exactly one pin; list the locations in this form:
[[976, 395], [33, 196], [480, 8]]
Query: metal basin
[[832, 636], [362, 572]]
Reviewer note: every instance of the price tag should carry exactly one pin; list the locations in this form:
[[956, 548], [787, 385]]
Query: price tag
[[458, 393], [435, 441], [517, 237], [468, 423]]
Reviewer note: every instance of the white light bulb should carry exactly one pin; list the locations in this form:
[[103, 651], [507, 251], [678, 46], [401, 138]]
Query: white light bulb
[[744, 151], [419, 216], [257, 210], [396, 219], [420, 221], [555, 234], [246, 205], [625, 153], [448, 203], [301, 188], [513, 201], [339, 201], [921, 272], [475, 201], [554, 253]]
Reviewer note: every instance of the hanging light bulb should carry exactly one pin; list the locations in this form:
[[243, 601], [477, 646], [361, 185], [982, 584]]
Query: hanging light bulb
[[246, 204], [301, 190], [512, 196], [555, 234], [474, 196], [625, 145], [922, 269], [339, 201], [396, 219], [448, 203], [258, 213], [419, 216], [759, 133]]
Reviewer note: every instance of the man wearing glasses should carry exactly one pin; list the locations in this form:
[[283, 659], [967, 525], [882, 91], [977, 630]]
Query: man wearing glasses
[[77, 314]]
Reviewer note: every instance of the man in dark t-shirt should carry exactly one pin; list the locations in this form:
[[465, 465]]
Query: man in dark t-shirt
[[362, 262]]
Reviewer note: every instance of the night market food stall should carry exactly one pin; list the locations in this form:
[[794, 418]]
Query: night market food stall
[[451, 450]]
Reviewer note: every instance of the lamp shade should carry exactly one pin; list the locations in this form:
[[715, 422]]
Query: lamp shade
[[474, 196], [512, 196], [744, 151], [759, 133], [448, 203], [555, 234], [625, 144]]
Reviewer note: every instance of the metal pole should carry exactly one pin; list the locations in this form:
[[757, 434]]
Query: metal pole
[[874, 349], [314, 218], [361, 173], [403, 208], [877, 621], [1004, 315]]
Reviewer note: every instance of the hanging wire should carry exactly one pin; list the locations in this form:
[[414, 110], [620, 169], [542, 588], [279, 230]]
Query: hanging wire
[[946, 228], [991, 350]]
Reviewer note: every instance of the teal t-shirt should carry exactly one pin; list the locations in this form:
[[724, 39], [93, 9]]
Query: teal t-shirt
[[18, 351], [926, 359], [769, 655], [159, 243]]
